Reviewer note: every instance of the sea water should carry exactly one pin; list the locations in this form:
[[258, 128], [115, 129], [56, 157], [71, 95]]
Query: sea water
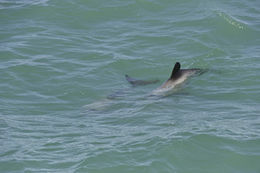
[[65, 105]]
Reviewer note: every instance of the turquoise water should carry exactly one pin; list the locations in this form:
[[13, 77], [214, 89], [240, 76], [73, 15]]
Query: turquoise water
[[60, 60]]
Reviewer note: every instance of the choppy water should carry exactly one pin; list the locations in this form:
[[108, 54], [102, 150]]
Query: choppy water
[[59, 60]]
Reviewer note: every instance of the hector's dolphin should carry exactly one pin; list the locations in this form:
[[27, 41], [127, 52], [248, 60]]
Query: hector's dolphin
[[177, 77]]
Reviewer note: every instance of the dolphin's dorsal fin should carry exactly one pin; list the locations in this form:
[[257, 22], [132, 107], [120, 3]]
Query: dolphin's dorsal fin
[[175, 70]]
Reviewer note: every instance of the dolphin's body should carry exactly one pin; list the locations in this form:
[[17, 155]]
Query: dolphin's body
[[177, 77]]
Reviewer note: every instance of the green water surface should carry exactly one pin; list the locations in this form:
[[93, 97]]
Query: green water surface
[[61, 59]]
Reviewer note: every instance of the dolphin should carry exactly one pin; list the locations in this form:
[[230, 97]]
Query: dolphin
[[178, 76]]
